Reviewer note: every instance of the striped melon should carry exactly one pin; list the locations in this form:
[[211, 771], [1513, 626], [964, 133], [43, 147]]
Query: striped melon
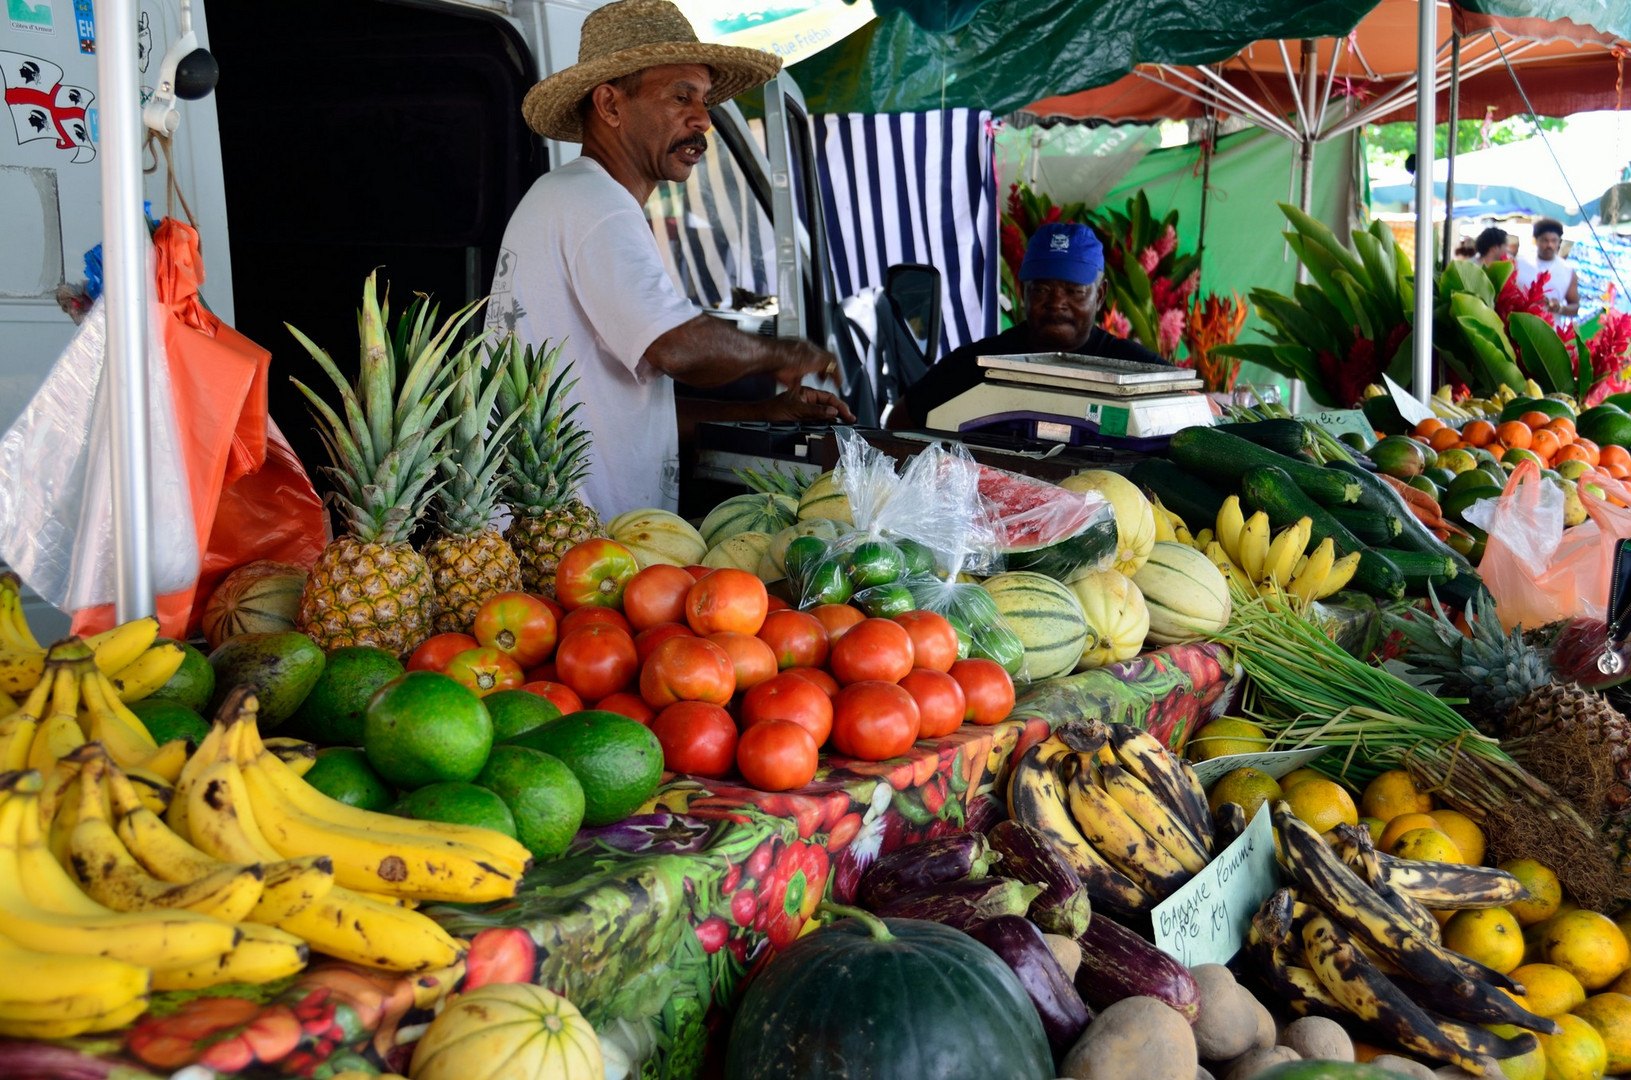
[[766, 513], [1186, 595], [658, 536], [742, 551], [1118, 620], [825, 499], [508, 1029], [773, 567], [1135, 517], [1046, 617], [258, 597]]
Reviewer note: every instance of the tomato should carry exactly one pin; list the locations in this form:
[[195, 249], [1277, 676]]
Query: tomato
[[652, 636], [940, 701], [687, 669], [837, 618], [817, 676], [578, 618], [544, 672], [727, 599], [987, 688], [873, 650], [791, 697], [435, 651], [657, 595], [597, 660], [752, 658], [776, 603], [628, 704], [594, 574], [873, 721], [519, 625], [697, 738], [934, 639], [553, 605], [562, 695], [484, 670], [797, 638], [776, 755], [697, 572]]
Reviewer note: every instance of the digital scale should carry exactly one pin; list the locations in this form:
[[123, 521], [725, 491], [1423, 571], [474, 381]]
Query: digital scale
[[1077, 400]]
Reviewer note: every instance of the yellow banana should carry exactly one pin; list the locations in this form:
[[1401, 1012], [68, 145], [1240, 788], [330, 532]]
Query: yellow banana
[[1285, 550], [121, 1016], [120, 646], [1180, 532], [1116, 836], [63, 987], [17, 733], [1202, 538], [1163, 524], [1230, 525], [149, 671], [8, 704], [1342, 572], [265, 954], [364, 931], [297, 754], [202, 758], [20, 672], [1254, 546], [14, 631], [59, 733], [1307, 584], [1153, 816], [122, 733]]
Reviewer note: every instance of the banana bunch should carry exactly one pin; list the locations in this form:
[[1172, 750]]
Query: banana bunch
[[1244, 550], [1124, 811], [1168, 525], [1354, 940], [129, 654]]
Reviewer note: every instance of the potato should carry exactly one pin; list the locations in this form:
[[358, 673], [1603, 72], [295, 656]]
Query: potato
[[1268, 1032], [1318, 1038], [1137, 1038], [1403, 1066], [1228, 1024], [1253, 1062], [1066, 951], [1202, 1074]]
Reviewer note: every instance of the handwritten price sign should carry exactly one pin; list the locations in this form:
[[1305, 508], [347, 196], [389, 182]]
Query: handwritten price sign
[[1207, 920]]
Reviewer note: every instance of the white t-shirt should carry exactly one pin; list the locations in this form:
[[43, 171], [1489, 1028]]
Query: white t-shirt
[[579, 262], [1557, 286]]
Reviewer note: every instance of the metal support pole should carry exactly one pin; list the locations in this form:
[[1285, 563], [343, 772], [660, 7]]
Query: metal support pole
[[1451, 149], [1426, 105], [1308, 71], [125, 245]]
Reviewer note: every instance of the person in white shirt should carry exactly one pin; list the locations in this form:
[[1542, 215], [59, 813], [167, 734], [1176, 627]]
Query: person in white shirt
[[1562, 287], [579, 263]]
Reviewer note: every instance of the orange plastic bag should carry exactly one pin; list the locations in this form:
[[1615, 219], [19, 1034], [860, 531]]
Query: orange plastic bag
[[251, 497], [1538, 571]]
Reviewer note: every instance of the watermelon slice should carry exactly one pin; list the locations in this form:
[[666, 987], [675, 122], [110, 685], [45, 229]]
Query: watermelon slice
[[1046, 529]]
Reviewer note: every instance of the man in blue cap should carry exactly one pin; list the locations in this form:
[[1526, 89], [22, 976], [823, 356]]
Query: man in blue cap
[[1062, 282]]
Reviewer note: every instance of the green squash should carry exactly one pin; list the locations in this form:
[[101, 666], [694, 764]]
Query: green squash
[[887, 999]]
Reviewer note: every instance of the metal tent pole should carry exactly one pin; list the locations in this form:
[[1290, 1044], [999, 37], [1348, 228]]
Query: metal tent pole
[[125, 244], [1426, 104], [1309, 92], [1451, 148]]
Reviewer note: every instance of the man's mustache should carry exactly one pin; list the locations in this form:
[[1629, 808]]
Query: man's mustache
[[696, 142]]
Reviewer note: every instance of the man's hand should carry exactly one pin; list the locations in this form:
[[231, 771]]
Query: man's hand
[[807, 405], [803, 358]]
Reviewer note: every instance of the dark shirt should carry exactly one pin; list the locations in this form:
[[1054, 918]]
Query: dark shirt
[[959, 371]]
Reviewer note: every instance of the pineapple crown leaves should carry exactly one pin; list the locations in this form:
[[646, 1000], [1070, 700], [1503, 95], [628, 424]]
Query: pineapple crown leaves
[[478, 445], [1444, 648], [548, 455]]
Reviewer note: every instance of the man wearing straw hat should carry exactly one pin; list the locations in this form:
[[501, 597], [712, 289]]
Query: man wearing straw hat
[[580, 263]]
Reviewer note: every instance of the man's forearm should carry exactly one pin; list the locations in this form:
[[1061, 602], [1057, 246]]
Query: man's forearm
[[710, 352]]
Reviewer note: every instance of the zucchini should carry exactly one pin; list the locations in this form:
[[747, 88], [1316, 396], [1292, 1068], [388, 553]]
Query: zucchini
[[1270, 490], [1288, 437], [1378, 496], [1368, 527], [1180, 491], [1224, 458], [1421, 569]]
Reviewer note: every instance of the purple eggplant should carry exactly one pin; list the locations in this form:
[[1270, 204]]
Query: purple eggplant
[[38, 1061], [1020, 944], [646, 834], [959, 856], [1064, 907], [962, 904], [1118, 963]]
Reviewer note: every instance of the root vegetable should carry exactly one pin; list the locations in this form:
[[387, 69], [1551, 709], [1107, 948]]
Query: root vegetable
[[1255, 1061], [1319, 1038], [1403, 1066], [1268, 1032], [1456, 1072], [1228, 1024], [1137, 1038], [1066, 951]]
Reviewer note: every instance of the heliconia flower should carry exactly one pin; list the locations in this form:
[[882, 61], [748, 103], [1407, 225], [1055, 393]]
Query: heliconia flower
[[1170, 331], [1114, 322]]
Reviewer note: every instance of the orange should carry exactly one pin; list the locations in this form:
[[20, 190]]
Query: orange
[[1545, 444], [1548, 989], [1245, 786], [1324, 804], [1589, 946], [1515, 433], [1444, 438], [1392, 793], [1571, 453], [1545, 892], [1496, 450], [1491, 936], [1534, 419], [1468, 837], [1403, 823], [1478, 432], [1614, 455], [1577, 1054], [1618, 471], [1592, 451], [1297, 776], [1427, 427], [1610, 1014], [1426, 845], [1530, 1066], [1563, 428]]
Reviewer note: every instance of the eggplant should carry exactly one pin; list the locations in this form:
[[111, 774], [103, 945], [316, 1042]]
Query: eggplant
[[1021, 945], [645, 834], [962, 904], [1118, 963], [961, 856], [1064, 907]]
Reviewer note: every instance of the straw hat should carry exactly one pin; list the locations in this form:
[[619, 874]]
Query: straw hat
[[632, 35]]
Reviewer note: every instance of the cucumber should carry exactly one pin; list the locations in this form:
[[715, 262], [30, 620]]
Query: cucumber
[[1378, 496], [1289, 437], [1224, 458], [1270, 490], [1368, 527], [1182, 492], [1421, 569]]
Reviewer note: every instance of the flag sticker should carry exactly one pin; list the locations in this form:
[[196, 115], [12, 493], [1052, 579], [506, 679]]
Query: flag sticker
[[31, 16], [43, 107]]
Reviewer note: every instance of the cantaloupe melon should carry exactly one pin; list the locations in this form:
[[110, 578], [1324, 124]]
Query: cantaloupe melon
[[658, 536], [741, 552], [1187, 597], [1135, 517], [258, 597], [1118, 620], [824, 498]]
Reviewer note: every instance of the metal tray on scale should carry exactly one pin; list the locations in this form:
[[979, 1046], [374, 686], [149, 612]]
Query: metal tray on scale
[[1101, 375]]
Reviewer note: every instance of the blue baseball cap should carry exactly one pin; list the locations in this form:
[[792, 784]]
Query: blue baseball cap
[[1063, 251]]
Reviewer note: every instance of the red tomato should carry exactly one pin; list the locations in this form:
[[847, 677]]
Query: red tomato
[[791, 697], [873, 721], [630, 705], [752, 658], [553, 605], [697, 738], [797, 638], [776, 755], [652, 636], [698, 572], [561, 694], [940, 701], [687, 669], [817, 676], [873, 650], [727, 599], [837, 618], [544, 672], [485, 671], [776, 603], [519, 625], [578, 618], [435, 651], [988, 689], [657, 595], [934, 640], [597, 660], [594, 574]]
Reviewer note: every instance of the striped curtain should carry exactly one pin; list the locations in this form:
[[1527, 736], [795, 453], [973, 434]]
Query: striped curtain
[[907, 188]]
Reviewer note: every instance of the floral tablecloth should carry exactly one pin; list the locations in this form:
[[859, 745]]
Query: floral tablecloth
[[647, 924]]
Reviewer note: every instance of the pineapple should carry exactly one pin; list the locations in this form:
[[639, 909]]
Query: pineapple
[[370, 587], [469, 559], [547, 457]]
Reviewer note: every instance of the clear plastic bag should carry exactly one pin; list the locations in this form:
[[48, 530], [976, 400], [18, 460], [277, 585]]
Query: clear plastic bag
[[56, 477]]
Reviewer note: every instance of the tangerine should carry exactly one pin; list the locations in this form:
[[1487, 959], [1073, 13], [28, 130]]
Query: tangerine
[[1563, 427], [1613, 454], [1427, 427], [1578, 1053], [1496, 450], [1589, 946], [1427, 845], [1515, 434], [1572, 452], [1401, 824], [1593, 451], [1610, 1014], [1444, 438], [1545, 891], [1492, 937], [1618, 471], [1478, 433], [1324, 804], [1534, 419], [1468, 837], [1545, 444], [1548, 989], [1392, 793]]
